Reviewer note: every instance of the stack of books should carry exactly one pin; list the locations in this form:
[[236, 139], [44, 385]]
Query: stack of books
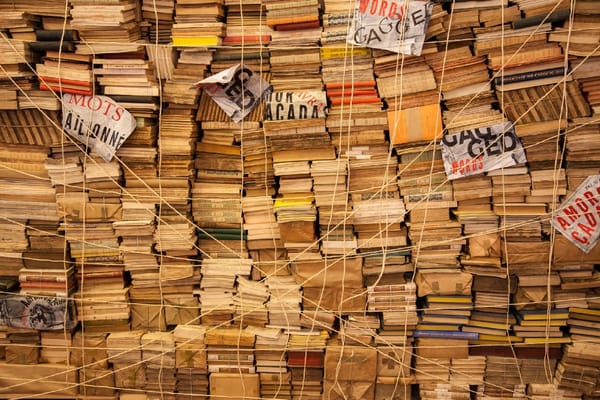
[[305, 361], [177, 136], [583, 323], [105, 26], [247, 26], [283, 16], [284, 301], [125, 354], [445, 316], [271, 362], [331, 199], [578, 368], [198, 25], [264, 239], [66, 72], [158, 355], [159, 20], [14, 75], [54, 346], [250, 302], [445, 390], [126, 74], [434, 236], [190, 359], [230, 350], [396, 304], [217, 287], [542, 326]]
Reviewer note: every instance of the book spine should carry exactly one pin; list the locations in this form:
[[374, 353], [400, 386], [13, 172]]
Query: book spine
[[52, 45], [55, 88], [298, 26], [56, 35], [556, 16], [445, 334], [528, 76]]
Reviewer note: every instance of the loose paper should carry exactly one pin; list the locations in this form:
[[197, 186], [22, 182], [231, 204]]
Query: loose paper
[[98, 122], [295, 105], [395, 25], [579, 215], [237, 90], [479, 150]]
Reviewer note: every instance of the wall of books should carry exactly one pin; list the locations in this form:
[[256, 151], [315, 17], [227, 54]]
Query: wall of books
[[308, 199]]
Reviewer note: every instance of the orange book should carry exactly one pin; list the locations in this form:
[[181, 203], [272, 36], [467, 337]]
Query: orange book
[[348, 93], [356, 100], [350, 84], [416, 124], [64, 89]]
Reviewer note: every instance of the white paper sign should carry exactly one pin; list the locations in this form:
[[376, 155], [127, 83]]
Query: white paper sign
[[395, 25], [237, 90], [479, 150], [98, 122], [295, 105], [578, 217]]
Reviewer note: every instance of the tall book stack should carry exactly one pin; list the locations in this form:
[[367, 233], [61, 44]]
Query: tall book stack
[[463, 17], [191, 66], [230, 349], [491, 316], [125, 354], [285, 299], [190, 360], [14, 74], [337, 16], [217, 287], [177, 137], [198, 24], [445, 316], [305, 361], [259, 178], [331, 198], [250, 303], [247, 24], [264, 239], [501, 377], [247, 37], [105, 26], [577, 368], [271, 362], [216, 191], [158, 17], [27, 209], [397, 306], [463, 81], [158, 354]]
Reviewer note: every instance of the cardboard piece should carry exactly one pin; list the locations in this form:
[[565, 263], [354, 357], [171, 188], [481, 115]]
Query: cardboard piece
[[485, 245], [391, 391], [566, 252], [234, 386], [22, 354], [182, 309], [297, 231], [348, 390], [129, 376], [190, 355], [342, 300], [356, 363], [394, 361], [89, 350], [97, 382], [148, 317], [443, 282], [441, 348], [535, 295], [329, 273]]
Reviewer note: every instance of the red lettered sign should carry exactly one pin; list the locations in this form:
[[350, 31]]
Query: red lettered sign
[[579, 215]]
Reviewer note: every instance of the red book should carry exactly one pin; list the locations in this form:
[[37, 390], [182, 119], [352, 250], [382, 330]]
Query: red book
[[298, 26], [348, 93], [56, 88]]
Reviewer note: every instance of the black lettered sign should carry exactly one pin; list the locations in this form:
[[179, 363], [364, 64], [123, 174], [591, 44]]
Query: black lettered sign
[[479, 150], [578, 217], [395, 25], [237, 90], [98, 122]]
